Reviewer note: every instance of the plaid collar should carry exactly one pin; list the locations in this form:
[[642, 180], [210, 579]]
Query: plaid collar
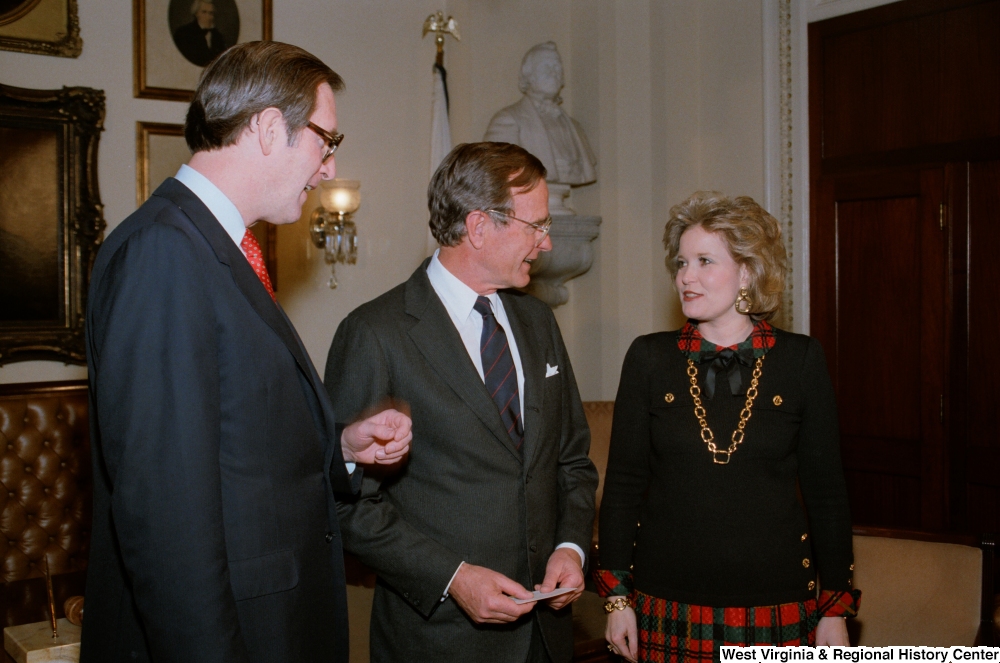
[[697, 349]]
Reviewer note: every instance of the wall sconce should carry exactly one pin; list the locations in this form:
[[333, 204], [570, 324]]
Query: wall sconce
[[331, 227]]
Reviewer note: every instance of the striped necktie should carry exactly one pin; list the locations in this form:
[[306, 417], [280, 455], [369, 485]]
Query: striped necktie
[[498, 371]]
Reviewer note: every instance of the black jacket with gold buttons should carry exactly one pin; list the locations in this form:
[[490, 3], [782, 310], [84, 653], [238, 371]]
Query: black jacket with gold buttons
[[739, 534]]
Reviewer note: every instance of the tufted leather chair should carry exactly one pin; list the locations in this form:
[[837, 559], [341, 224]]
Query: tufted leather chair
[[45, 479]]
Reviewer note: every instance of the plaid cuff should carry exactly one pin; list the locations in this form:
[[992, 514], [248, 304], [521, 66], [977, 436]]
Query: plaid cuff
[[839, 604], [613, 583]]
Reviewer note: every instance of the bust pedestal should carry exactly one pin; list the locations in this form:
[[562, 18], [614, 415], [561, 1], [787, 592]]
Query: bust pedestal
[[572, 253]]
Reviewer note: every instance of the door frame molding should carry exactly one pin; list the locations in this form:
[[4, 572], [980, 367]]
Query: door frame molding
[[785, 46]]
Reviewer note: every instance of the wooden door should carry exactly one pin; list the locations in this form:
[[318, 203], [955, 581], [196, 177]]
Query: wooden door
[[904, 124], [879, 255], [976, 407]]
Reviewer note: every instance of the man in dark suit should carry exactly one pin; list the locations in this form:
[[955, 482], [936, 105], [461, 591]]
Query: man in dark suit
[[199, 41], [216, 450], [491, 503]]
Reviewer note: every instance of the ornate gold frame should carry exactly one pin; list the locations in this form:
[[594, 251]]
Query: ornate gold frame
[[76, 115], [141, 88], [266, 233], [65, 42]]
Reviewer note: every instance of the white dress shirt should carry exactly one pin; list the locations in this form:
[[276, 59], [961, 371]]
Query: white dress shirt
[[217, 203], [458, 300]]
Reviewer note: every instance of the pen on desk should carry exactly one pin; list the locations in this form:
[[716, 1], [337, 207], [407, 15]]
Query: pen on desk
[[52, 600]]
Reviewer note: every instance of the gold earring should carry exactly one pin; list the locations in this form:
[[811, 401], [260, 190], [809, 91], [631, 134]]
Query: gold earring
[[743, 302]]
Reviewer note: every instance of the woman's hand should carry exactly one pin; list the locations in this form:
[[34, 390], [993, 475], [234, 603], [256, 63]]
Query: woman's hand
[[622, 635], [832, 631]]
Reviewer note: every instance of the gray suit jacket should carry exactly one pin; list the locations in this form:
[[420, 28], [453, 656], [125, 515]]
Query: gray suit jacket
[[465, 494]]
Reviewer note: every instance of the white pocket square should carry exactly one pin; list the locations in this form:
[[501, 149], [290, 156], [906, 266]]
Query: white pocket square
[[551, 370]]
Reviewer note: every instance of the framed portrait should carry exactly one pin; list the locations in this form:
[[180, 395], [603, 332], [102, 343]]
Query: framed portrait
[[174, 40], [47, 27], [51, 219], [160, 150]]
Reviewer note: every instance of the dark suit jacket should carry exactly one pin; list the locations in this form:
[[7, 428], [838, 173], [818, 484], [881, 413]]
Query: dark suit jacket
[[216, 454], [466, 494], [190, 41]]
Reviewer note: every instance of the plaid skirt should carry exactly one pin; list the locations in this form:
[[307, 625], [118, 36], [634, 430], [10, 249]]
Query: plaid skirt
[[672, 632]]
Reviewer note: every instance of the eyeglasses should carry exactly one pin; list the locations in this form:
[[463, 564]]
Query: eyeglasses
[[542, 226], [332, 140]]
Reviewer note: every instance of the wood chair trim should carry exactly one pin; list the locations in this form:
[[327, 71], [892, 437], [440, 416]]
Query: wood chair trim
[[27, 389]]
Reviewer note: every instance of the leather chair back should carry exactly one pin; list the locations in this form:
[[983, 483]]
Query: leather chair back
[[45, 479]]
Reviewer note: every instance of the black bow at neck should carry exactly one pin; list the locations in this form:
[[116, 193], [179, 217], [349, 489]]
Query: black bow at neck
[[726, 362]]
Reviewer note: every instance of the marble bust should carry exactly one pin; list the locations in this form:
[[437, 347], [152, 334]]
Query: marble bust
[[538, 123]]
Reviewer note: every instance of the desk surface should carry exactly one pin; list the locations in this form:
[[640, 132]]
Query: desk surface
[[26, 601]]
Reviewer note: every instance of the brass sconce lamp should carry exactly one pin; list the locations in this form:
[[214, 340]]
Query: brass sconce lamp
[[331, 227]]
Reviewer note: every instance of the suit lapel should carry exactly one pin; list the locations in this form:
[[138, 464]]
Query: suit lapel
[[531, 361], [441, 345], [229, 254]]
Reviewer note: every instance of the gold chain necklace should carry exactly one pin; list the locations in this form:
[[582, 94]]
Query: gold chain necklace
[[699, 411]]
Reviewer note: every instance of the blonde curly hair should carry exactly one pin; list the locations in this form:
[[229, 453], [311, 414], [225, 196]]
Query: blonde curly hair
[[752, 236]]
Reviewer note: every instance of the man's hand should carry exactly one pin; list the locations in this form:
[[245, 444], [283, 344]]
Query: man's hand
[[382, 439], [564, 569], [484, 595]]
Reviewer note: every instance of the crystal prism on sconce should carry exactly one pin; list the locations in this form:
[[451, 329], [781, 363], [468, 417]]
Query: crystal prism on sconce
[[331, 227]]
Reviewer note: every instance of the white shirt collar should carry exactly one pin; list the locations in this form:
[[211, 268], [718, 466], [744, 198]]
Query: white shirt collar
[[216, 202], [457, 297]]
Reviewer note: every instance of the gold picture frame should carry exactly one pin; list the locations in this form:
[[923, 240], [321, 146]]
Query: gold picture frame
[[43, 27], [51, 219], [160, 69], [160, 149]]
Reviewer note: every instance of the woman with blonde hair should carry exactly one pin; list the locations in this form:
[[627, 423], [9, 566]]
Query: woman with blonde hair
[[718, 426]]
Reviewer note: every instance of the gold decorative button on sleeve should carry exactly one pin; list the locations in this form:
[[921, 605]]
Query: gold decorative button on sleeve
[[812, 585], [669, 398], [805, 562], [805, 536], [852, 567], [777, 400]]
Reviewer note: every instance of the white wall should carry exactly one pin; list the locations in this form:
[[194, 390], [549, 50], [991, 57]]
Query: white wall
[[669, 93]]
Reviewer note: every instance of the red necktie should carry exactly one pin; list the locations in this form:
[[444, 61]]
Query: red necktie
[[256, 259]]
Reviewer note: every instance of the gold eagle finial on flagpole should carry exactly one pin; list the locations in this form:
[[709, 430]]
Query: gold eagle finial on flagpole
[[440, 26]]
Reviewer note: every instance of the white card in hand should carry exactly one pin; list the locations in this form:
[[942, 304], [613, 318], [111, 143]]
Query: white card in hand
[[538, 596]]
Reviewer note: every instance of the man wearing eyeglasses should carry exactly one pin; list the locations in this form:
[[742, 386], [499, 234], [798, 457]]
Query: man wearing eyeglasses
[[497, 497], [216, 451]]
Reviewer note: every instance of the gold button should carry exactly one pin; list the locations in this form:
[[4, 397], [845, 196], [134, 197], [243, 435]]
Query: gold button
[[852, 567], [777, 400], [849, 583], [805, 536], [669, 398], [811, 585], [805, 562]]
